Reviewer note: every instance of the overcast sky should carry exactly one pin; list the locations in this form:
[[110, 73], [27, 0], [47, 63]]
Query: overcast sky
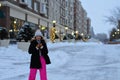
[[97, 10]]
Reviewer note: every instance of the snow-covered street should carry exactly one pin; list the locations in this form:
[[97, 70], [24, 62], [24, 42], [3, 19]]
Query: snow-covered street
[[70, 61]]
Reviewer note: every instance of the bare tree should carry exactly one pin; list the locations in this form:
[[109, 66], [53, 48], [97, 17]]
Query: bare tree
[[114, 18]]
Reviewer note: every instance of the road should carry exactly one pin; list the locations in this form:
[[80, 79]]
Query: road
[[80, 62]]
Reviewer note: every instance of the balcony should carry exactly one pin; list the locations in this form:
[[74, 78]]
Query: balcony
[[23, 4]]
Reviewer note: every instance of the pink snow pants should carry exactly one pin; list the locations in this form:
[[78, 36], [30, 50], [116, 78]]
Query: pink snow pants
[[43, 74]]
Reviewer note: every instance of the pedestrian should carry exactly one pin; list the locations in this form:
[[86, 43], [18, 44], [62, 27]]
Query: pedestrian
[[39, 56]]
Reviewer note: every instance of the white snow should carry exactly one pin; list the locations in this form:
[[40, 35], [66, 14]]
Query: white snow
[[70, 61]]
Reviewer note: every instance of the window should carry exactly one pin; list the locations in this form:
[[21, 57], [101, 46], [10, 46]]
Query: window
[[36, 6], [23, 1], [29, 2], [43, 8]]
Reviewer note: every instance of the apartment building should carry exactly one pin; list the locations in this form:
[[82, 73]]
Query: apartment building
[[54, 11], [88, 26], [18, 12], [57, 12], [41, 13], [70, 14], [80, 19]]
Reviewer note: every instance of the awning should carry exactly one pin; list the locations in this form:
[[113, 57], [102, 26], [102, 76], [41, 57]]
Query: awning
[[2, 15]]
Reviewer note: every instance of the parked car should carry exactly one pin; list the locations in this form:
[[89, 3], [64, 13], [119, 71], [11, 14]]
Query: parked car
[[3, 33], [4, 38]]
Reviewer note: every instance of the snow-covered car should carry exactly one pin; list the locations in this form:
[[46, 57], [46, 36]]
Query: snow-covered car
[[3, 33], [25, 33]]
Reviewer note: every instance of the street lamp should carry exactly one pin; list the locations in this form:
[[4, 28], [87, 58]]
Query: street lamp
[[113, 35], [72, 33], [82, 34], [15, 22], [118, 29], [66, 28], [15, 25], [76, 32], [42, 28], [54, 23], [76, 35], [0, 4]]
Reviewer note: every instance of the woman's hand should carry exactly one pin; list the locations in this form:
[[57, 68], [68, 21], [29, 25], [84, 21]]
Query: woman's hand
[[39, 46]]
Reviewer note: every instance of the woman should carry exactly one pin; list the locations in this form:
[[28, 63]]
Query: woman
[[39, 57]]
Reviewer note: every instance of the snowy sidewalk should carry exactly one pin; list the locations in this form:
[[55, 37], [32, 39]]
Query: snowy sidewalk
[[70, 61]]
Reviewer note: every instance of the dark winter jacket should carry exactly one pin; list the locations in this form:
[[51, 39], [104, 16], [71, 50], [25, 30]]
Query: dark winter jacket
[[35, 57]]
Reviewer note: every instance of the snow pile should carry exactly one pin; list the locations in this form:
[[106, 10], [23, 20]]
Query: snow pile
[[70, 61]]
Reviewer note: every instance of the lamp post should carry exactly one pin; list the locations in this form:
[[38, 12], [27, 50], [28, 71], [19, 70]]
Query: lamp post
[[82, 34], [0, 4], [72, 33], [60, 35], [43, 28], [54, 22], [118, 29], [66, 28], [76, 35]]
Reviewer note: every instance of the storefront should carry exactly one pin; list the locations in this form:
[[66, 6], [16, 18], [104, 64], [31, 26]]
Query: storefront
[[13, 18], [16, 25]]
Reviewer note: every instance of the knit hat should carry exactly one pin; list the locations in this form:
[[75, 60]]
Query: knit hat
[[38, 33]]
